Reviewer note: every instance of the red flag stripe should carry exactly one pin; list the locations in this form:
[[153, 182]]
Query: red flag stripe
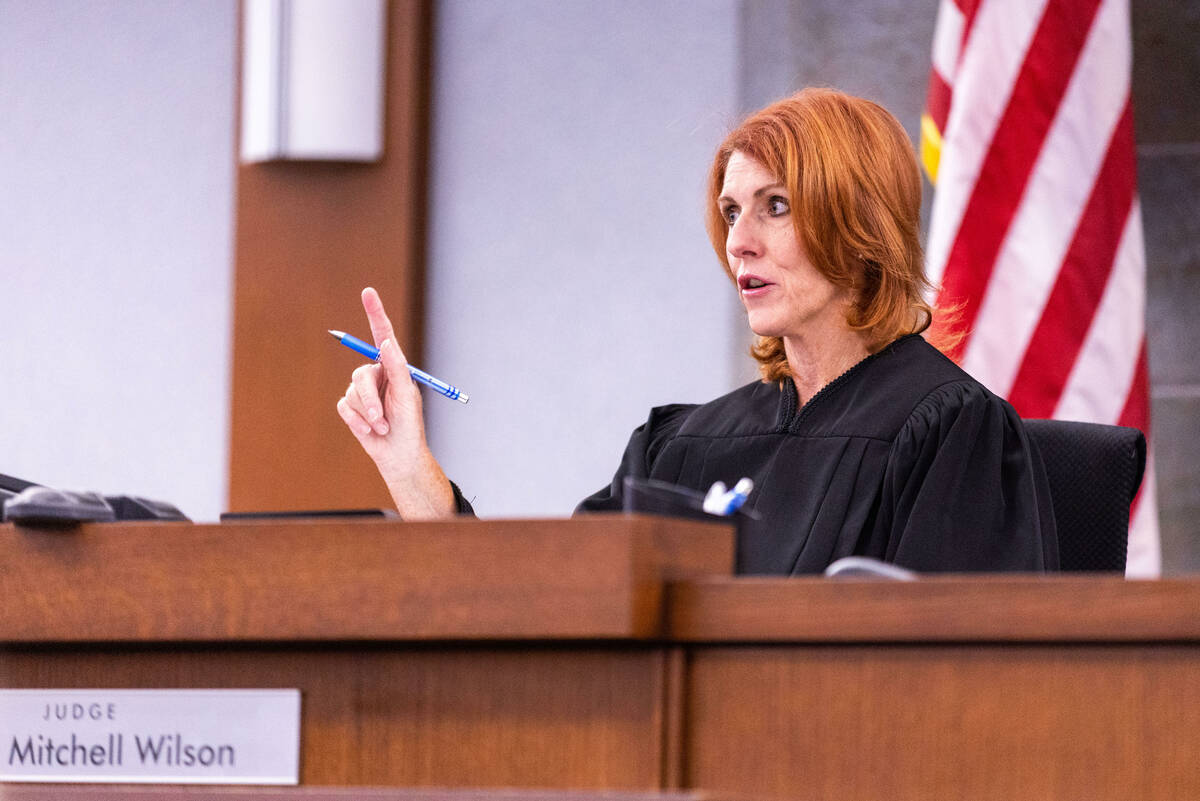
[[969, 9], [1137, 403], [981, 80], [937, 102], [1071, 307], [1097, 388], [1039, 88], [947, 49]]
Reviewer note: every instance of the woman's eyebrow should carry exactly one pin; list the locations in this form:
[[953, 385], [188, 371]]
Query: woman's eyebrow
[[757, 193]]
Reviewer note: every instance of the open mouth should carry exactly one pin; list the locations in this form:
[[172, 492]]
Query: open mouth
[[750, 282]]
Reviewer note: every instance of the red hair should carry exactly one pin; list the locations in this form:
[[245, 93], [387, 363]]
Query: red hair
[[855, 191]]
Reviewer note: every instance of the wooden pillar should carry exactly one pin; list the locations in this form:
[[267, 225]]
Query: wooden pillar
[[309, 237]]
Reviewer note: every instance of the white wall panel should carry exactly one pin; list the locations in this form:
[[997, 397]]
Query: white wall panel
[[116, 162], [571, 284]]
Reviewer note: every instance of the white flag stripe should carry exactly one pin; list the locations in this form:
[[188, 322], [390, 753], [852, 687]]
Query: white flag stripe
[[947, 40], [1062, 180], [1098, 387], [987, 71], [1144, 556]]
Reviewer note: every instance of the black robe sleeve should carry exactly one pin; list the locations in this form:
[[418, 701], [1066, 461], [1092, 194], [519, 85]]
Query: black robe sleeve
[[644, 446], [964, 490], [461, 505]]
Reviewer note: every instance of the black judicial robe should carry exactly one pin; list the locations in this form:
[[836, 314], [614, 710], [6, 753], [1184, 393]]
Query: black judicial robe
[[904, 458]]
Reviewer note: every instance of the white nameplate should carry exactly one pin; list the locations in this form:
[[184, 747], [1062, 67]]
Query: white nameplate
[[152, 736]]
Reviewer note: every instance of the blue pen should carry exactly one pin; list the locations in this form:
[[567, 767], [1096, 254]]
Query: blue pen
[[372, 352], [736, 497]]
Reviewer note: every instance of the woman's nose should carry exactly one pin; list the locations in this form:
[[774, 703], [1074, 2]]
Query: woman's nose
[[742, 241]]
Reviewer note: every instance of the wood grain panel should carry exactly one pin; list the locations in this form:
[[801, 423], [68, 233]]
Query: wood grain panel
[[142, 793], [309, 236], [900, 723], [599, 576], [1044, 608], [461, 717], [674, 672], [528, 653]]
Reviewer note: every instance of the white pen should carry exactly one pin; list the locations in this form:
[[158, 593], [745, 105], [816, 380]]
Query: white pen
[[713, 501]]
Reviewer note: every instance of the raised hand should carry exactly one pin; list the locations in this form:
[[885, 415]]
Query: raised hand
[[382, 408]]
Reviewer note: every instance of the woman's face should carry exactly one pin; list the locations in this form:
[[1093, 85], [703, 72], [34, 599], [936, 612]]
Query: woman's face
[[784, 294]]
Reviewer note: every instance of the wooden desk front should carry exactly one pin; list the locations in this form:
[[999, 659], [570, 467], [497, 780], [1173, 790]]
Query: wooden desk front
[[613, 653]]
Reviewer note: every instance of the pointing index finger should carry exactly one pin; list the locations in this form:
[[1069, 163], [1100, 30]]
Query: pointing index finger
[[381, 326]]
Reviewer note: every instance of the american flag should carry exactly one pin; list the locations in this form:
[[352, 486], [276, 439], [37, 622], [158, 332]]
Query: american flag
[[1036, 231]]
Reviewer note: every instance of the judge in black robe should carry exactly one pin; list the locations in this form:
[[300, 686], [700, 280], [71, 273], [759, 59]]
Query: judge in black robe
[[861, 438], [904, 458]]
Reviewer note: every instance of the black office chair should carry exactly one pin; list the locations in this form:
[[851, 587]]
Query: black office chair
[[1094, 471]]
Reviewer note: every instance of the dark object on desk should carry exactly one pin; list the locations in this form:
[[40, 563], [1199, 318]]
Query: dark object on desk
[[11, 485], [131, 507], [648, 496], [32, 504], [1094, 472], [233, 517], [43, 506], [653, 497]]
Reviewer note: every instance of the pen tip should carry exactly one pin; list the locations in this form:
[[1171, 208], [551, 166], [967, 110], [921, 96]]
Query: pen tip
[[463, 397], [338, 334]]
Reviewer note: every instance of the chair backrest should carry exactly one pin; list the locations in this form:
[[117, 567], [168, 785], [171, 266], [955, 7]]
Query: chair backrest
[[1094, 472]]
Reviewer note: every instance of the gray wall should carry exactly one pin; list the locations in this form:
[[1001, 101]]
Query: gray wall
[[1166, 96], [116, 198], [571, 284]]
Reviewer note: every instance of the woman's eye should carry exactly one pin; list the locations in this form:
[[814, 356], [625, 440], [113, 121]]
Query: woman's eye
[[730, 213], [777, 206]]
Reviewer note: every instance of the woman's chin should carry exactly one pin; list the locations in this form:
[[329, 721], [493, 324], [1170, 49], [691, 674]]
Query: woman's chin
[[764, 327]]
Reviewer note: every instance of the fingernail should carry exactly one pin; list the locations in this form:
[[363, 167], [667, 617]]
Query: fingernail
[[385, 344], [372, 414], [381, 428]]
